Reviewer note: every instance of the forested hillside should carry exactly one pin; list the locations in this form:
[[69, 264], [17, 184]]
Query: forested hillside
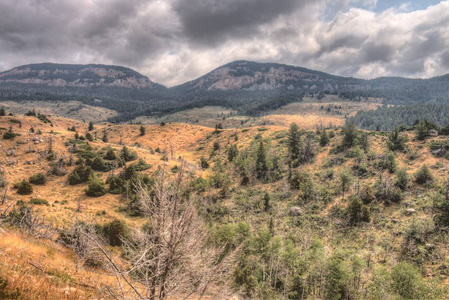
[[387, 118]]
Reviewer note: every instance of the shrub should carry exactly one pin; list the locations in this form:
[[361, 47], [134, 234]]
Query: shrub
[[95, 187], [199, 185], [388, 162], [39, 178], [9, 135], [396, 141], [142, 165], [387, 192], [128, 155], [357, 212], [89, 137], [115, 231], [52, 157], [402, 179], [80, 174], [38, 201], [142, 130], [116, 185], [24, 188], [423, 175], [366, 194], [204, 163], [110, 154], [99, 164], [406, 281], [324, 138]]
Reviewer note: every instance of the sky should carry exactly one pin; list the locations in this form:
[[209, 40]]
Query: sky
[[174, 41]]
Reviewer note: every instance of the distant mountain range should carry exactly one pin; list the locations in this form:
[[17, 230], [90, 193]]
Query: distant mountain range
[[249, 87]]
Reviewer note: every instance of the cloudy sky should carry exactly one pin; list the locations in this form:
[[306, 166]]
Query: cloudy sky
[[173, 41]]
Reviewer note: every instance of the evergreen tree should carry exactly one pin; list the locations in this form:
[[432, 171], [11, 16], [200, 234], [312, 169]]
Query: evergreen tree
[[345, 181], [142, 130], [294, 142], [204, 163], [2, 112], [350, 134], [232, 152], [324, 138], [95, 187], [89, 137], [24, 188], [110, 154], [128, 155], [91, 126], [105, 137], [261, 162], [396, 141], [421, 131], [266, 201]]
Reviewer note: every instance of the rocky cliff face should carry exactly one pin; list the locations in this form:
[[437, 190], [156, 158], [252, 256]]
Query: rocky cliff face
[[251, 76], [62, 75]]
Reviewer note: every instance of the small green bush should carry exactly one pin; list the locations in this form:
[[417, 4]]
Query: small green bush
[[423, 175], [39, 178], [24, 188], [115, 231], [38, 201], [95, 187]]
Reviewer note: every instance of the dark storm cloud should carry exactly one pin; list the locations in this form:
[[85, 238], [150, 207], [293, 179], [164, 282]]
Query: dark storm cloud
[[372, 52], [209, 22]]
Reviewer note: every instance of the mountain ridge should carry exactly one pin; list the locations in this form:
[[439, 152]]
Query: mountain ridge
[[249, 87], [80, 75]]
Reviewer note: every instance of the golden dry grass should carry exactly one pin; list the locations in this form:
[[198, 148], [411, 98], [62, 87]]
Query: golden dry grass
[[70, 109]]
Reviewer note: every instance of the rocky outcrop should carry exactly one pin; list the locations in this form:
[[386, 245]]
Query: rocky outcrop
[[62, 75]]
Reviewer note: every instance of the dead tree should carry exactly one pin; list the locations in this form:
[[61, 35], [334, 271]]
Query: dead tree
[[169, 257]]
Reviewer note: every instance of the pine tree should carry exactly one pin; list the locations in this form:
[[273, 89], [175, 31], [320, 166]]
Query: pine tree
[[266, 201], [91, 126], [204, 163], [294, 142], [142, 130], [396, 141], [261, 162], [324, 138], [232, 152], [95, 187]]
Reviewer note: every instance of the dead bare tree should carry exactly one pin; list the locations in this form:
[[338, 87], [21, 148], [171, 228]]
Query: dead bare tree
[[170, 256], [30, 222], [80, 238]]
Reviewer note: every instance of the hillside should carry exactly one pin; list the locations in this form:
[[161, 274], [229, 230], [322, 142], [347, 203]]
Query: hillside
[[352, 211]]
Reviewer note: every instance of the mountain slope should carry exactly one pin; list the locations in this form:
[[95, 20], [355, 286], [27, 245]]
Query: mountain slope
[[77, 76], [247, 76], [252, 76]]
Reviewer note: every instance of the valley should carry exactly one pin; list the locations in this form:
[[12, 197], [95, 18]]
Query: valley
[[355, 200]]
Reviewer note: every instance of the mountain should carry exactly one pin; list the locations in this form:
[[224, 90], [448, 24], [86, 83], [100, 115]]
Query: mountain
[[247, 76], [249, 87], [77, 76], [253, 76]]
